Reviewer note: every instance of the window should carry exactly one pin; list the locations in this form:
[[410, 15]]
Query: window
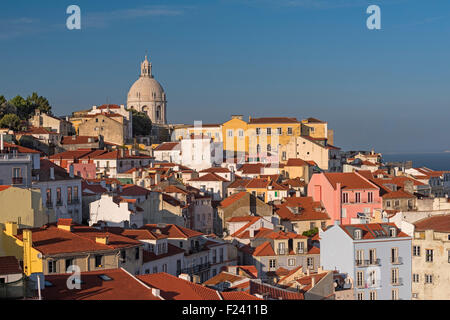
[[164, 267], [269, 147], [360, 295], [221, 255], [52, 266], [240, 133], [229, 133], [178, 267], [258, 131], [396, 203], [98, 261], [283, 155], [272, 263], [69, 262], [75, 193], [388, 204], [415, 295], [300, 247], [360, 279], [373, 295], [394, 276], [312, 225], [289, 131], [429, 255], [58, 196], [269, 131], [345, 197], [291, 262], [429, 278], [323, 224], [310, 263], [416, 251], [155, 269], [394, 255], [358, 234], [415, 277], [358, 197], [16, 173], [394, 294], [49, 196], [370, 197], [392, 232], [69, 194], [359, 257], [372, 256], [214, 272], [279, 131], [123, 255], [136, 253], [448, 256], [344, 212]]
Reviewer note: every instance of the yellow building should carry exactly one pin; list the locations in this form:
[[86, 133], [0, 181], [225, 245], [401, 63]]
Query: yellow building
[[317, 129], [24, 206], [259, 138]]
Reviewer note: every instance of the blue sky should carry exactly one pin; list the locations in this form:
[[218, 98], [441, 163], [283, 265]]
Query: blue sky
[[388, 89]]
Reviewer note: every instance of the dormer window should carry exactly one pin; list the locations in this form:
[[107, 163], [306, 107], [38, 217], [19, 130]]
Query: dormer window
[[358, 234], [392, 232]]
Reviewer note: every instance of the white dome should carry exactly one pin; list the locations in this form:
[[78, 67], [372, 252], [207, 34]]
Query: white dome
[[146, 89]]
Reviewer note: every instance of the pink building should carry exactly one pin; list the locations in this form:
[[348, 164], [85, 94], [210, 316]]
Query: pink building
[[344, 194], [84, 170]]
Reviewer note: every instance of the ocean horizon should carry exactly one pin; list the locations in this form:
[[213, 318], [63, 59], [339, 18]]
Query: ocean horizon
[[432, 160]]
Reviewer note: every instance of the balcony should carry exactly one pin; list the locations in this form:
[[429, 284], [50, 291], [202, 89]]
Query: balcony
[[49, 204], [196, 269], [367, 262], [74, 201], [300, 251], [282, 252], [399, 282], [59, 203], [16, 180], [396, 260]]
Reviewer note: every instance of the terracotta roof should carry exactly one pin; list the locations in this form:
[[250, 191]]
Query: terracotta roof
[[314, 120], [252, 168], [210, 177], [167, 146], [372, 230], [238, 295], [173, 231], [93, 188], [19, 149], [78, 139], [9, 265], [133, 190], [241, 219], [273, 120], [50, 240], [251, 221], [174, 189], [397, 194], [216, 169], [349, 180], [273, 292], [292, 162], [59, 172], [223, 277], [439, 223], [173, 288], [3, 187], [264, 249], [136, 234], [109, 106], [238, 183], [295, 183], [122, 286], [308, 209]]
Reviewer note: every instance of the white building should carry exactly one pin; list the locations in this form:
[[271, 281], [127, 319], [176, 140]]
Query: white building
[[201, 152], [168, 151], [376, 256], [211, 184], [116, 211]]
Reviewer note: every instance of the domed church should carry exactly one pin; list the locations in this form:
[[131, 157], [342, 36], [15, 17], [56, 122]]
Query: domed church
[[147, 95]]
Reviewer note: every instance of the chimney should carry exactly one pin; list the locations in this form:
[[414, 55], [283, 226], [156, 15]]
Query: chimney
[[65, 224], [251, 233], [52, 173], [313, 282], [195, 278], [94, 107], [1, 141], [11, 228], [71, 171], [102, 240], [307, 272], [156, 292], [185, 276]]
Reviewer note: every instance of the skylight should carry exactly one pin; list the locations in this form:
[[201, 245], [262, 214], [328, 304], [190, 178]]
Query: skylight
[[104, 277]]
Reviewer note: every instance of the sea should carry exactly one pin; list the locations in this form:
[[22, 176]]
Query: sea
[[435, 161]]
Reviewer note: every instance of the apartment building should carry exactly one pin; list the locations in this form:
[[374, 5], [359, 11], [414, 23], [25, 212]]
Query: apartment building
[[431, 258], [377, 256]]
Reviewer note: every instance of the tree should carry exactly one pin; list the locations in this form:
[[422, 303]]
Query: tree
[[142, 125], [21, 106], [311, 233], [11, 121], [38, 102], [2, 100]]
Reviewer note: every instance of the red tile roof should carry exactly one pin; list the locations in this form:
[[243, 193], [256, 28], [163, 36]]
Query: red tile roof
[[273, 120], [349, 180], [308, 209], [79, 139], [123, 286], [238, 295], [9, 265], [292, 162], [19, 149], [210, 177], [216, 169], [264, 249], [173, 288], [439, 223], [130, 190], [173, 231], [171, 251], [372, 230], [273, 292], [3, 187], [167, 146]]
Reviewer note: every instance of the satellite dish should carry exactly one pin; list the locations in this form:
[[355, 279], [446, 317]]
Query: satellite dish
[[39, 255]]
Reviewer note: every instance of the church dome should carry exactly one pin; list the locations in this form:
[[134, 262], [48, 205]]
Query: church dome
[[146, 88]]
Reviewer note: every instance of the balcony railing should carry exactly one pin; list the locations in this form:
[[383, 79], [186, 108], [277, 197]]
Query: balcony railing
[[367, 262], [196, 269], [282, 252], [396, 260], [300, 251], [399, 282], [17, 180], [49, 204]]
